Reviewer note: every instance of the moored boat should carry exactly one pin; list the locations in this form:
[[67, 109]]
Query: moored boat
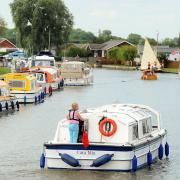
[[24, 87], [7, 102], [121, 137], [51, 77], [41, 60], [76, 73], [48, 78]]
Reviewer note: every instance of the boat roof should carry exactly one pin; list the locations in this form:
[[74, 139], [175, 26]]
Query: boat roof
[[73, 62], [50, 70], [126, 113], [44, 57], [19, 76]]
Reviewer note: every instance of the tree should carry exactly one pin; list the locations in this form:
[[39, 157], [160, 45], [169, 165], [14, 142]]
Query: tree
[[127, 53], [37, 20], [104, 36], [123, 54], [170, 42], [80, 36], [10, 34], [178, 40], [113, 53], [152, 41], [134, 38], [73, 51], [2, 26]]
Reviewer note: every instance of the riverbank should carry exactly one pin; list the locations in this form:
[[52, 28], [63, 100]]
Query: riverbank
[[170, 70], [119, 67], [131, 68], [4, 70]]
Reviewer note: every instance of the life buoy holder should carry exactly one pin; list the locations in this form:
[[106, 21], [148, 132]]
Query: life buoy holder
[[107, 133]]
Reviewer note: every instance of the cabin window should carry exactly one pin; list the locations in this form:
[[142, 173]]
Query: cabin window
[[44, 63], [146, 126], [134, 132], [17, 84], [33, 84], [40, 77]]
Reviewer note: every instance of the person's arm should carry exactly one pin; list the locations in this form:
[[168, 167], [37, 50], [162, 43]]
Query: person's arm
[[80, 117]]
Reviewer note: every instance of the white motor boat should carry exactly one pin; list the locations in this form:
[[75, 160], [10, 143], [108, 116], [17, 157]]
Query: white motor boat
[[76, 73], [121, 137], [7, 102]]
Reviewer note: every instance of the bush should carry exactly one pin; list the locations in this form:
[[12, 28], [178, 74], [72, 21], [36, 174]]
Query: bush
[[73, 51], [122, 54], [4, 70]]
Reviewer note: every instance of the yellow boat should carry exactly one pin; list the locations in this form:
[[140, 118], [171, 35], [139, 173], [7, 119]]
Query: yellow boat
[[7, 102], [24, 87], [148, 75]]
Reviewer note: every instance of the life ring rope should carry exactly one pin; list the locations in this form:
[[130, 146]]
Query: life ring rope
[[107, 133]]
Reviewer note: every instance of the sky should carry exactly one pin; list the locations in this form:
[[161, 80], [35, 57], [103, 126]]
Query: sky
[[122, 17]]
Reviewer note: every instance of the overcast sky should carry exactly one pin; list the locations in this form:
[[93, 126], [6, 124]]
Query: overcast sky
[[122, 17]]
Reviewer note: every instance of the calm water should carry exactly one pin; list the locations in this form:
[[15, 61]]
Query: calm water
[[23, 133]]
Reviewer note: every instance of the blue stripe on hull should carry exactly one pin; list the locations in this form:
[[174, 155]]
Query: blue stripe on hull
[[91, 147], [99, 147]]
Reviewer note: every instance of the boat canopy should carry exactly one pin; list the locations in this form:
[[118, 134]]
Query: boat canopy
[[149, 57], [134, 122]]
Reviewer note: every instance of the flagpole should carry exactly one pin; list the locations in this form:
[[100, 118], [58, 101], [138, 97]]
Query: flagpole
[[157, 44]]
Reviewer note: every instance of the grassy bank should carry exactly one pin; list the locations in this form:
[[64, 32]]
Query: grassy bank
[[4, 70], [170, 70], [119, 67]]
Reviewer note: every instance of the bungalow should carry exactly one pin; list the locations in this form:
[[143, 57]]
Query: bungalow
[[100, 50], [7, 46]]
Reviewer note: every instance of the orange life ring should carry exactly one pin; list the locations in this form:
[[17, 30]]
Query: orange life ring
[[101, 127]]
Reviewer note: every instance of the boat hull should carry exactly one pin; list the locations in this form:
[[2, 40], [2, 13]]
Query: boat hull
[[78, 81], [27, 97], [149, 77], [121, 160], [9, 101]]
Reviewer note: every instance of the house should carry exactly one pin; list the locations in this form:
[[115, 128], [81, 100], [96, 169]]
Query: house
[[7, 46], [171, 53], [100, 50]]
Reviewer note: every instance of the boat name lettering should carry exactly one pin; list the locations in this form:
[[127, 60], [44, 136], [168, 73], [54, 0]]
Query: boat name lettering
[[86, 152]]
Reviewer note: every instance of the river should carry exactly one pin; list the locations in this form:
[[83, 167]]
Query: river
[[23, 133]]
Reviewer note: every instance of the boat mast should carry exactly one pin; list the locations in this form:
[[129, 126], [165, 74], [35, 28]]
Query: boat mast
[[157, 44]]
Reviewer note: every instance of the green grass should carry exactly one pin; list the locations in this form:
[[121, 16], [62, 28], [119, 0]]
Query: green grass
[[120, 67], [170, 70], [4, 70]]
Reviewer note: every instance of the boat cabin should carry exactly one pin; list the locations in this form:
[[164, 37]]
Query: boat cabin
[[20, 81], [46, 74], [43, 60], [134, 123], [74, 69]]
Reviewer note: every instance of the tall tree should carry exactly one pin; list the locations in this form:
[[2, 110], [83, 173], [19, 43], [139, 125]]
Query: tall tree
[[38, 20], [2, 25], [80, 36], [104, 36], [134, 38]]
